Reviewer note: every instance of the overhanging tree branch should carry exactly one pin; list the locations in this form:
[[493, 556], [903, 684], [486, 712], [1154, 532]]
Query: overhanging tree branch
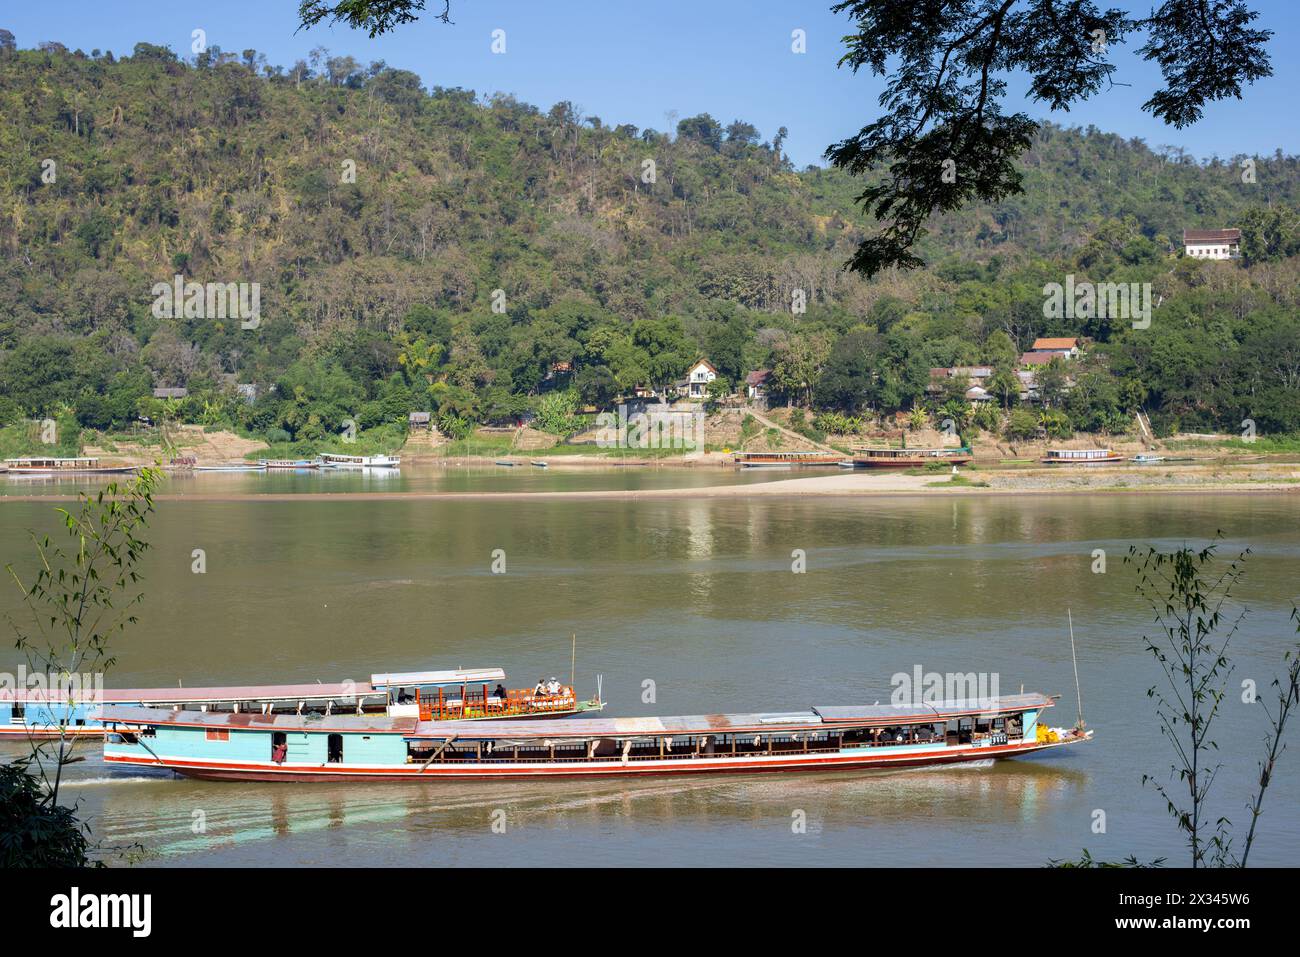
[[374, 16], [942, 141]]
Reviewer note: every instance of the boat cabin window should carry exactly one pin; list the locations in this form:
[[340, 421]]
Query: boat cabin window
[[335, 749], [279, 746]]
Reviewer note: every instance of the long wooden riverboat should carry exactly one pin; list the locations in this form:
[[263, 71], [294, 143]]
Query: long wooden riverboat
[[1082, 457], [460, 694], [275, 747], [232, 467], [780, 460], [295, 464], [330, 460], [874, 458], [56, 466]]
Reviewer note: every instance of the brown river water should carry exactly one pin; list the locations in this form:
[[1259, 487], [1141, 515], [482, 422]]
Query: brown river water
[[697, 597]]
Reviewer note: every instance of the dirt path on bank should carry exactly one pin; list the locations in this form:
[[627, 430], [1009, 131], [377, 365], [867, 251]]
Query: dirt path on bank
[[802, 439]]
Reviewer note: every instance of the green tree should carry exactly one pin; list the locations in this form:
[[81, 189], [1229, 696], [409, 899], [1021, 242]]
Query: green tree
[[1269, 233], [1005, 384], [557, 413], [376, 17], [798, 362], [1052, 380], [1021, 425]]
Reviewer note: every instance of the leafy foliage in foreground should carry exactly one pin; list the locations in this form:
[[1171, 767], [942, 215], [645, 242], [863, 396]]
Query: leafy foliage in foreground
[[81, 599], [943, 137], [35, 831]]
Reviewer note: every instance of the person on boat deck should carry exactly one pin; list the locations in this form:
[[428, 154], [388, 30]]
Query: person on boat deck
[[403, 697], [500, 692], [279, 752], [540, 687], [553, 686]]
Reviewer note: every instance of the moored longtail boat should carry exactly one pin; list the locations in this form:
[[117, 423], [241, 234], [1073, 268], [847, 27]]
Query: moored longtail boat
[[331, 460], [289, 463], [287, 748], [756, 460], [1082, 457], [56, 466], [873, 458], [232, 467], [463, 694]]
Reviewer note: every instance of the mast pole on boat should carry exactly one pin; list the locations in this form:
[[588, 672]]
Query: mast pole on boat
[[1075, 659], [573, 663]]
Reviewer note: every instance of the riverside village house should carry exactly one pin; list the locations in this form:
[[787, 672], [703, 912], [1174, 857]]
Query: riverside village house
[[696, 383]]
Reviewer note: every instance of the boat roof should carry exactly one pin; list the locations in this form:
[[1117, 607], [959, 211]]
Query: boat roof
[[180, 695], [911, 450], [42, 458], [457, 676], [956, 708], [820, 718], [378, 685], [791, 452], [256, 721]]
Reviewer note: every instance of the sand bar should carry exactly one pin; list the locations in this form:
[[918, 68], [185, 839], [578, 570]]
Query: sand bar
[[842, 484]]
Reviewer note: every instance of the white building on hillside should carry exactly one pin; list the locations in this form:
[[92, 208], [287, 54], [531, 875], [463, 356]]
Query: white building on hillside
[[698, 379], [1212, 243]]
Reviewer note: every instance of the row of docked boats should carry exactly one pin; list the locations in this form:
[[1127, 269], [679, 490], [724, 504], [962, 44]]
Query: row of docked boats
[[323, 461], [454, 725], [898, 458], [93, 466], [862, 457]]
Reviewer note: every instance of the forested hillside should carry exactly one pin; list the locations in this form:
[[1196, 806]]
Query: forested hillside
[[621, 255]]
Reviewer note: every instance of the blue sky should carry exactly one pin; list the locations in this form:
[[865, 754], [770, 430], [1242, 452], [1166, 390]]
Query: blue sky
[[634, 63]]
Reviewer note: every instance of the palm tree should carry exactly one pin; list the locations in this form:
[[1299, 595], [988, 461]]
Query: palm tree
[[957, 410], [1053, 422]]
